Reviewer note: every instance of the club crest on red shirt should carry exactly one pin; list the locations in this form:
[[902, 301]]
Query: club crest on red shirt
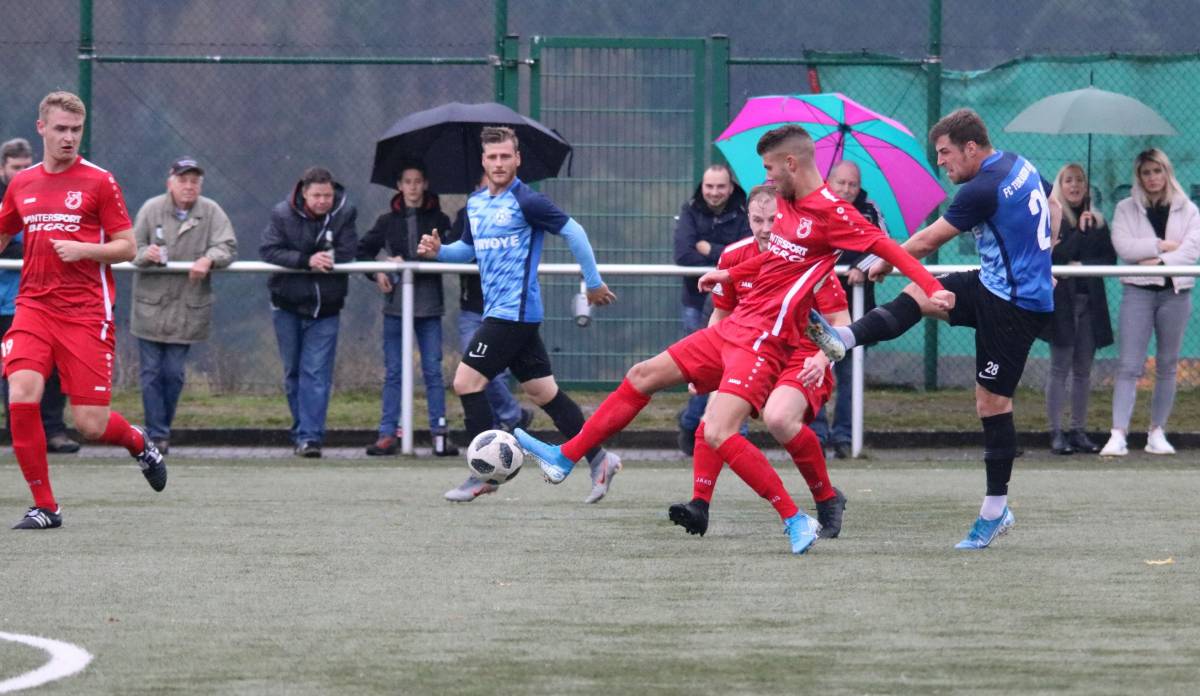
[[804, 227], [74, 200]]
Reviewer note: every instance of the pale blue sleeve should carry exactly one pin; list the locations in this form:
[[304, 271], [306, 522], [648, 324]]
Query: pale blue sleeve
[[458, 252], [577, 241]]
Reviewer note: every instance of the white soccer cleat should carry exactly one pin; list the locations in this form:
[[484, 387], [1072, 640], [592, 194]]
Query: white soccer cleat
[[1115, 447], [1156, 442]]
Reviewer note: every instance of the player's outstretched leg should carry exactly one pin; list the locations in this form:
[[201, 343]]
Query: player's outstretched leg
[[706, 467], [610, 417], [148, 458], [604, 466], [40, 518], [825, 336], [469, 490], [29, 447], [752, 466], [984, 532]]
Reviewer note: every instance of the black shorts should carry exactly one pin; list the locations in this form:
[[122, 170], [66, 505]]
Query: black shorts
[[1004, 332], [500, 344]]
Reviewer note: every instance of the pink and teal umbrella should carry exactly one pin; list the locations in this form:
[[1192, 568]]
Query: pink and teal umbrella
[[895, 173]]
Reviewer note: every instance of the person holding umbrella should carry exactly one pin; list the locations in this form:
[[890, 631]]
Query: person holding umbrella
[[508, 225], [1080, 324], [1157, 225]]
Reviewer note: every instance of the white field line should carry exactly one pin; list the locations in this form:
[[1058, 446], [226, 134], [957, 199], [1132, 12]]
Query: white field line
[[65, 660]]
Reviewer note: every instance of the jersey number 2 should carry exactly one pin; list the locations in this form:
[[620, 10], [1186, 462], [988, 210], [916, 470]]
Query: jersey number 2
[[1039, 207]]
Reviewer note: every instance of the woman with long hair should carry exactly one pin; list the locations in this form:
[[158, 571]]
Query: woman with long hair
[[1080, 324], [1156, 225]]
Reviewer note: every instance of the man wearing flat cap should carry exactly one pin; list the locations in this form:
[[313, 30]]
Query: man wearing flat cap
[[171, 311]]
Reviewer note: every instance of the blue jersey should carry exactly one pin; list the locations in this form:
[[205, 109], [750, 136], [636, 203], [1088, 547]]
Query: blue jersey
[[507, 231], [1005, 206]]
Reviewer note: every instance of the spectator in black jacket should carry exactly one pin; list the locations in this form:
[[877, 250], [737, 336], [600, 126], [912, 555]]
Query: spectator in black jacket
[[415, 211], [1081, 323], [312, 229], [714, 217]]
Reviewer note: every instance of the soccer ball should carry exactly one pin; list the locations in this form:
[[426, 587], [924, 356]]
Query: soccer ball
[[495, 456]]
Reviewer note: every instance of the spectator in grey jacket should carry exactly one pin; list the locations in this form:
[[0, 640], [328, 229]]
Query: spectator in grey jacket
[[172, 311], [712, 218], [414, 212], [312, 229], [1157, 225]]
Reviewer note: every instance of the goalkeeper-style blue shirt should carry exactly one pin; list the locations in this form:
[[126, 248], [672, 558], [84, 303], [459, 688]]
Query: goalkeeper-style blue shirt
[[1005, 206], [508, 231]]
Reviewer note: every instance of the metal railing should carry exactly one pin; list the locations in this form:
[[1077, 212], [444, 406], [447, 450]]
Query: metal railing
[[408, 269]]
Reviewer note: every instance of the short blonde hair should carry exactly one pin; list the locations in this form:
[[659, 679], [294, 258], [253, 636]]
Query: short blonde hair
[[67, 101], [762, 191], [492, 135]]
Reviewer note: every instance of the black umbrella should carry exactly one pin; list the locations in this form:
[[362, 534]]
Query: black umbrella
[[445, 141]]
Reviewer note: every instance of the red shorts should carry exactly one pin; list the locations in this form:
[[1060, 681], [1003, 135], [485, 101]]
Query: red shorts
[[83, 352], [816, 396], [745, 369]]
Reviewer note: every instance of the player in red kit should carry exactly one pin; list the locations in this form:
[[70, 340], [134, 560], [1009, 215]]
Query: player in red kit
[[741, 357], [75, 226], [804, 386]]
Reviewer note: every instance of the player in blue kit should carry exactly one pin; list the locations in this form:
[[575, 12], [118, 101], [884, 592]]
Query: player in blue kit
[[1003, 201], [508, 224]]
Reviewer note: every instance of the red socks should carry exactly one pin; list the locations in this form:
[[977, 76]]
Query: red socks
[[706, 467], [120, 432], [29, 446], [806, 452], [616, 412], [752, 466]]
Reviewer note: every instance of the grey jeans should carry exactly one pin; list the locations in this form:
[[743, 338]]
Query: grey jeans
[[1164, 314], [1074, 361]]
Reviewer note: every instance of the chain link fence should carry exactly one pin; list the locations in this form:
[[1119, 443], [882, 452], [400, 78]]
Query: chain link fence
[[311, 83]]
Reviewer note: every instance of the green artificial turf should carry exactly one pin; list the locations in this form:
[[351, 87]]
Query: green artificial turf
[[293, 577]]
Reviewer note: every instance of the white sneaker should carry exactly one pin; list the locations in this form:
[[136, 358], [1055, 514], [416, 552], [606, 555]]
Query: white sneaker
[[1156, 442], [1115, 447]]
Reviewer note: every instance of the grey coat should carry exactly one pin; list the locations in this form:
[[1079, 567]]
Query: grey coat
[[169, 307]]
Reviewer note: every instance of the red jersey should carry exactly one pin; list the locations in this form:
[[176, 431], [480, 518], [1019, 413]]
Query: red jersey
[[828, 297], [806, 240], [82, 204]]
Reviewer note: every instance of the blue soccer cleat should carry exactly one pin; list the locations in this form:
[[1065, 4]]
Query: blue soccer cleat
[[822, 334], [555, 467], [802, 531], [984, 532]]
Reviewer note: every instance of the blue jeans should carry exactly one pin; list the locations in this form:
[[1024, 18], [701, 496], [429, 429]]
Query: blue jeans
[[307, 348], [843, 372], [428, 334], [161, 367], [505, 408], [693, 320]]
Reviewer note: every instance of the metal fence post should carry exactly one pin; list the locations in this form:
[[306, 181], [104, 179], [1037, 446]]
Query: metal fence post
[[857, 379], [719, 70], [500, 31], [933, 106], [406, 351], [87, 50]]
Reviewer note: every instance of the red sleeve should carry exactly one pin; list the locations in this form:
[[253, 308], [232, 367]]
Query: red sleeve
[[113, 216], [887, 249], [748, 269], [724, 295], [10, 218]]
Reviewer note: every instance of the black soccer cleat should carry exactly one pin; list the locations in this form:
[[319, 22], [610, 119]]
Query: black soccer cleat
[[692, 516], [40, 518], [151, 461], [829, 514]]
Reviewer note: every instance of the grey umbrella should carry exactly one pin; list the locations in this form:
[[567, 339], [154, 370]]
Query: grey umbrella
[[1087, 111]]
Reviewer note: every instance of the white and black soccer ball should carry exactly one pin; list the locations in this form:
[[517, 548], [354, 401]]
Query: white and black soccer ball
[[495, 456]]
